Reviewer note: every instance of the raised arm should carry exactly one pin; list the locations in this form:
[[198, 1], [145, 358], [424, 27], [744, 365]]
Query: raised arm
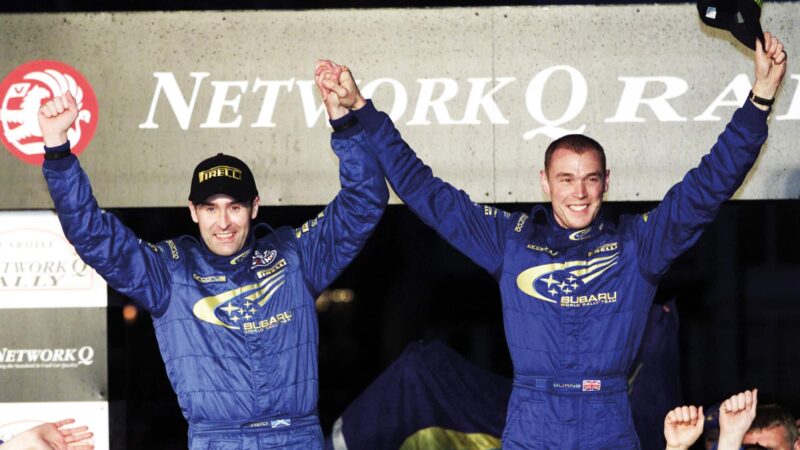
[[131, 266], [735, 416], [682, 426], [676, 224], [476, 230], [330, 241]]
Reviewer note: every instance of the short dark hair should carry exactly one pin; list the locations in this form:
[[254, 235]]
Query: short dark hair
[[768, 416], [577, 143]]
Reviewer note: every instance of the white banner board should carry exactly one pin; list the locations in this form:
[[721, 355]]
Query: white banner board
[[39, 268], [479, 92]]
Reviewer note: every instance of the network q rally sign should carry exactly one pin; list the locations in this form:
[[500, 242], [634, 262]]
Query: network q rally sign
[[39, 268], [53, 350]]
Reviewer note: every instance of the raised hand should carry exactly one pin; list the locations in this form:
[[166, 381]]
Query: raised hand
[[326, 76], [682, 426], [735, 416], [770, 66], [326, 69], [338, 88], [56, 117]]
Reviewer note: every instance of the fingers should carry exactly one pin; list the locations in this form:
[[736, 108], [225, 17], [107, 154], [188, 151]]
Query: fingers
[[78, 437], [48, 109], [73, 431], [346, 75], [684, 415], [746, 400], [755, 399], [340, 91], [63, 422], [767, 41], [326, 65], [773, 48], [323, 65], [81, 447], [70, 101], [318, 79], [58, 105], [779, 56]]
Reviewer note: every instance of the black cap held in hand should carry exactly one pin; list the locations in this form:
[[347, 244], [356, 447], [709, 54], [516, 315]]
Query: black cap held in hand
[[740, 17], [222, 174]]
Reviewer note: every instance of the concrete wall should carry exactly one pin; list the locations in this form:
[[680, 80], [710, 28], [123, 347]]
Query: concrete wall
[[478, 92]]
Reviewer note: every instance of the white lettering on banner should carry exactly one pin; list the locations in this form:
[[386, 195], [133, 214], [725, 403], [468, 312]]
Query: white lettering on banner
[[478, 100], [400, 102], [426, 101], [83, 356], [633, 96], [270, 100], [794, 107], [740, 86], [168, 84], [220, 100], [533, 100], [39, 274], [436, 95]]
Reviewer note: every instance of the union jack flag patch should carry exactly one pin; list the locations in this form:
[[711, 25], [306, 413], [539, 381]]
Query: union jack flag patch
[[591, 385]]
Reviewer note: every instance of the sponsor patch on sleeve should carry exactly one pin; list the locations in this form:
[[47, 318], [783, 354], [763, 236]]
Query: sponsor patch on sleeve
[[173, 249], [521, 223]]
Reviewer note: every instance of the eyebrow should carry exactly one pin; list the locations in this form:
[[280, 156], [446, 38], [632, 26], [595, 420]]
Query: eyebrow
[[235, 202], [599, 173]]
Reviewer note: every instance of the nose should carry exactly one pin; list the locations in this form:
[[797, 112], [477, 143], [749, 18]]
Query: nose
[[580, 190], [224, 220]]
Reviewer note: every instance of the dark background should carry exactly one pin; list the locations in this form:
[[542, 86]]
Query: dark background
[[735, 291]]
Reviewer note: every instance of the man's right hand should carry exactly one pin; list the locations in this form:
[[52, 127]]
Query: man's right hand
[[770, 66], [56, 117], [735, 416], [682, 426], [338, 88]]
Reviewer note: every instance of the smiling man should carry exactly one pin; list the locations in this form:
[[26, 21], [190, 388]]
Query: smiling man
[[234, 312], [222, 201], [576, 288]]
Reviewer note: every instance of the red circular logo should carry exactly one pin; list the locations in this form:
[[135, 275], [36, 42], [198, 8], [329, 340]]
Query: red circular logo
[[25, 90]]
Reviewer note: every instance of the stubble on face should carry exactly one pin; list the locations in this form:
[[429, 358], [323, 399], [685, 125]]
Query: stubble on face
[[224, 223], [575, 183]]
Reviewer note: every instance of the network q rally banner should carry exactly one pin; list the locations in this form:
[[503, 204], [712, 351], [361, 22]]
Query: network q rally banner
[[651, 82], [53, 351]]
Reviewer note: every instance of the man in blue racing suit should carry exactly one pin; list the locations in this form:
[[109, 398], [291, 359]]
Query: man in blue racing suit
[[233, 313], [575, 287]]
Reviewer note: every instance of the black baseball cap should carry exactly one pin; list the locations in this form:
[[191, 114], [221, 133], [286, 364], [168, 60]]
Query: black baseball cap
[[222, 174], [740, 17]]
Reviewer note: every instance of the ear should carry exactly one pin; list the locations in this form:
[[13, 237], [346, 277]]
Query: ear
[[543, 181], [193, 212], [254, 211], [606, 180]]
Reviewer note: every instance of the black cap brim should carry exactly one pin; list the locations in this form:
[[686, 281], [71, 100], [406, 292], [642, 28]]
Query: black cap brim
[[740, 18]]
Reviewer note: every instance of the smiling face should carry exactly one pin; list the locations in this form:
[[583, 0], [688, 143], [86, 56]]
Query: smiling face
[[575, 182], [224, 222]]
